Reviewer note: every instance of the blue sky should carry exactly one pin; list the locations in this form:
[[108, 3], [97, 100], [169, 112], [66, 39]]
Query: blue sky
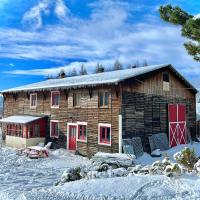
[[40, 37]]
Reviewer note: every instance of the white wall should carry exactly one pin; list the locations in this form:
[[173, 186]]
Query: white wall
[[18, 142]]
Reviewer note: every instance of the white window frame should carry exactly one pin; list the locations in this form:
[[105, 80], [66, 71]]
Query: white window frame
[[71, 124], [85, 124], [55, 106], [104, 125], [33, 94], [57, 121]]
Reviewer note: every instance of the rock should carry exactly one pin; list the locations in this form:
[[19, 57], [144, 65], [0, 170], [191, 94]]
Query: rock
[[103, 167], [117, 159], [120, 172], [156, 153]]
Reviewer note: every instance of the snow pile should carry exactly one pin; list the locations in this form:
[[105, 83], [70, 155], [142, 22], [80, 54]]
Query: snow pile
[[116, 159]]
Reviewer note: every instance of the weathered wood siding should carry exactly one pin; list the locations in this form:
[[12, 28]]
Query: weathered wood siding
[[145, 106], [87, 112]]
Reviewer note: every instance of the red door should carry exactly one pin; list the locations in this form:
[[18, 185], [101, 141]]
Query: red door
[[177, 124], [72, 137]]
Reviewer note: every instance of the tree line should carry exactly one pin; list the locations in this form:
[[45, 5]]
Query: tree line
[[98, 69]]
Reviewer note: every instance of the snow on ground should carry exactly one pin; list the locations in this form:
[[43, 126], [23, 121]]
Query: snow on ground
[[146, 159], [19, 174], [24, 179]]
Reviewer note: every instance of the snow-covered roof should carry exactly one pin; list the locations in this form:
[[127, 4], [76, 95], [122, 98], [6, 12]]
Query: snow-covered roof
[[113, 77], [20, 119]]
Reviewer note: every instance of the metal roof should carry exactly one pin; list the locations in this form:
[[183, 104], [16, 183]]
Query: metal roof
[[20, 119], [112, 77]]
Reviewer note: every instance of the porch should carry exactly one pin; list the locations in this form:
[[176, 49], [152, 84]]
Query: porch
[[23, 131]]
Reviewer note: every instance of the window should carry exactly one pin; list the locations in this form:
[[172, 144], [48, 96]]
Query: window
[[33, 100], [104, 134], [166, 86], [76, 99], [30, 131], [54, 129], [36, 130], [103, 99], [166, 76], [55, 99], [15, 130], [82, 132]]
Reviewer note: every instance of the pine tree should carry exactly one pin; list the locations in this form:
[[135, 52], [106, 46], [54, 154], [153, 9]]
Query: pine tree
[[117, 65], [73, 72], [99, 68], [145, 63], [61, 74], [83, 71], [190, 27], [137, 64]]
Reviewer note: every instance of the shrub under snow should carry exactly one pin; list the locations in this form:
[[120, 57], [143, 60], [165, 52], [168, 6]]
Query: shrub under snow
[[186, 158], [108, 166]]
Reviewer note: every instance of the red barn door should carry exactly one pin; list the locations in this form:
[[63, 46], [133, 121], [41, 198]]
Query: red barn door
[[177, 124], [72, 137]]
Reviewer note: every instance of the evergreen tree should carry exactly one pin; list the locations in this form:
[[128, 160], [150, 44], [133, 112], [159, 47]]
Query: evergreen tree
[[99, 68], [117, 65], [190, 27], [83, 71], [145, 63], [137, 64], [61, 74], [73, 72]]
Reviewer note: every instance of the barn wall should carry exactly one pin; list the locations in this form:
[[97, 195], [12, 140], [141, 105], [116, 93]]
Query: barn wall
[[145, 104], [152, 83], [88, 112]]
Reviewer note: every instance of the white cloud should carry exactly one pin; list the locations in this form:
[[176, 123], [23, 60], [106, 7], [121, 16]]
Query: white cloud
[[33, 17], [61, 10]]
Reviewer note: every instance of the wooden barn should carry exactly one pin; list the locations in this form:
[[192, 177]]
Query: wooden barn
[[92, 113]]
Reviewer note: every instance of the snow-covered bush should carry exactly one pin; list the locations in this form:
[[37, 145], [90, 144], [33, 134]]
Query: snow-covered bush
[[186, 158], [172, 170]]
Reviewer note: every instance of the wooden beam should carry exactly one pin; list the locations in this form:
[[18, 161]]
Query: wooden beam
[[90, 92], [44, 95], [66, 94]]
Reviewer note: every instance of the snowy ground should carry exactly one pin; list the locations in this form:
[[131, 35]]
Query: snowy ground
[[25, 179], [19, 174]]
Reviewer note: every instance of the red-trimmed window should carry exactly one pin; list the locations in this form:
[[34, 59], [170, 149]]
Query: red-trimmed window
[[105, 134], [54, 129], [55, 99], [82, 132], [33, 100]]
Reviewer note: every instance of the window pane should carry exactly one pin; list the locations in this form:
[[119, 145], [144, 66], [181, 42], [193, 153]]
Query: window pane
[[103, 133], [74, 99], [100, 99], [33, 100], [106, 99], [82, 132], [166, 76], [37, 130], [55, 99], [108, 135]]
